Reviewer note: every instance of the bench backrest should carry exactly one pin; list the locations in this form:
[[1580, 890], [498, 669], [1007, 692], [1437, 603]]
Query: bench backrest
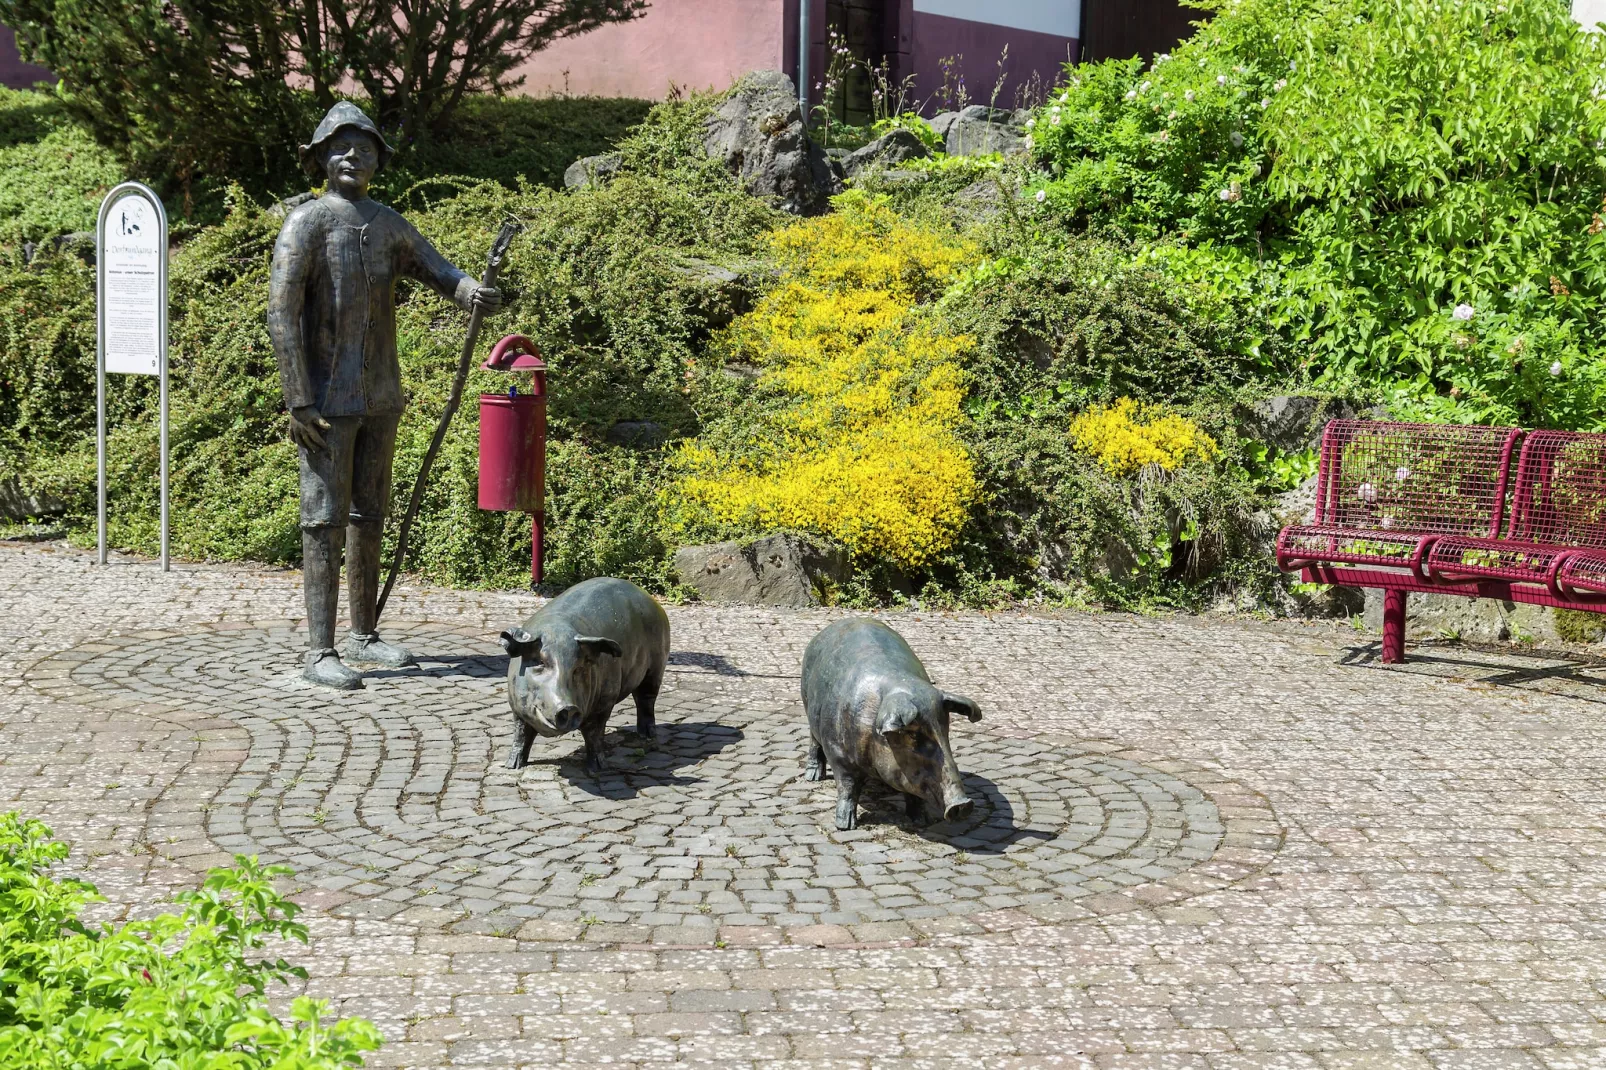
[[1435, 478], [1560, 493]]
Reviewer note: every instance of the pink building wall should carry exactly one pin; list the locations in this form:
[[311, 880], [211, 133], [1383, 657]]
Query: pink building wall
[[694, 44]]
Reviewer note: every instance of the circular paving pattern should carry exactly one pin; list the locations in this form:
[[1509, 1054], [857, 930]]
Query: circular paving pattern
[[394, 801]]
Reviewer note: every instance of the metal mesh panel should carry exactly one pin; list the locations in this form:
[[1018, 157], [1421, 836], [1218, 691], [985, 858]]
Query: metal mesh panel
[[1585, 572], [1324, 542], [1426, 478], [1524, 562], [1560, 493]]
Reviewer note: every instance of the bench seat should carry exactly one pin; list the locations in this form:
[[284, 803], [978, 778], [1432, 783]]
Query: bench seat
[[1304, 544], [1455, 558]]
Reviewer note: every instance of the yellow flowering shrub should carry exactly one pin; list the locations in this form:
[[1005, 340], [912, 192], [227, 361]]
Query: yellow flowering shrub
[[863, 446], [1127, 435]]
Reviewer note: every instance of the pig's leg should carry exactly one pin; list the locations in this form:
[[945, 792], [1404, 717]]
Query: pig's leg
[[816, 768], [848, 787], [523, 735], [914, 808], [646, 697], [592, 730]]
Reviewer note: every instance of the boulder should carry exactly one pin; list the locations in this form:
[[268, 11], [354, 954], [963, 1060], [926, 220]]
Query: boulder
[[640, 434], [979, 130], [777, 570], [889, 150], [289, 204], [1293, 422], [759, 134], [1445, 616], [592, 170], [19, 505]]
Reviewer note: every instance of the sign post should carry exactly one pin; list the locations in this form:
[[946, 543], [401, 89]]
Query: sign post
[[131, 315]]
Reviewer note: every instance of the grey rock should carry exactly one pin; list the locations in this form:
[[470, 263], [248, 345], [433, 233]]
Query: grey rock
[[1444, 616], [723, 291], [979, 130], [1293, 422], [290, 204], [944, 122], [641, 434], [592, 170], [889, 150], [19, 505], [777, 570], [759, 134]]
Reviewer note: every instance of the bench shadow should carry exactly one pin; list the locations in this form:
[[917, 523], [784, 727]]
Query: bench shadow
[[630, 765], [1553, 672], [991, 828]]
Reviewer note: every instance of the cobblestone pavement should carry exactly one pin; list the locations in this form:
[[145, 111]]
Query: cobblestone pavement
[[1199, 842]]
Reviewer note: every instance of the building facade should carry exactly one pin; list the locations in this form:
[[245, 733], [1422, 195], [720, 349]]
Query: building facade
[[939, 52]]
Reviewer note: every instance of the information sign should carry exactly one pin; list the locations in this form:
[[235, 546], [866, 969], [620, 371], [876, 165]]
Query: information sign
[[131, 314]]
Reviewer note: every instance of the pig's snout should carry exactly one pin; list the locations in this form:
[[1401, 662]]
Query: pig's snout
[[567, 719], [958, 810]]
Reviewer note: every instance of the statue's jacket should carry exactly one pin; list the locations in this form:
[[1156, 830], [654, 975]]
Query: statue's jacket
[[332, 303]]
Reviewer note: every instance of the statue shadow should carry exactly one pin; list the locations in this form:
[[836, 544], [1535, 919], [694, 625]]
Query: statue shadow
[[443, 666], [991, 827], [630, 765]]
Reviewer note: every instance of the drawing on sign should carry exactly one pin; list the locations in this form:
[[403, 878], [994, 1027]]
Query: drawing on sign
[[131, 301]]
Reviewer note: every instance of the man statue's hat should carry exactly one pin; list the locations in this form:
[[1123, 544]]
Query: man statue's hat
[[341, 115]]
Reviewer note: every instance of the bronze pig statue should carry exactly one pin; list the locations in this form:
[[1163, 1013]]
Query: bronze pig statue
[[578, 657], [873, 712]]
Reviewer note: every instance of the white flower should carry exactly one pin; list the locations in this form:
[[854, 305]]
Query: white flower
[[1161, 58], [1463, 312], [1279, 85], [1401, 474], [1065, 98], [1386, 522], [1030, 123], [1221, 79], [1188, 95], [1054, 120], [1237, 139], [1131, 94], [1555, 369], [1366, 492], [1231, 193], [1291, 66], [1042, 195], [1144, 88], [1264, 103], [1173, 115]]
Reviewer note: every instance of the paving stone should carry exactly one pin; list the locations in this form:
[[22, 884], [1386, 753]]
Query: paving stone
[[1199, 841]]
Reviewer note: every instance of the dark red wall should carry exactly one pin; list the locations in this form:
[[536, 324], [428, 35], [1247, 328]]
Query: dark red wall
[[14, 72]]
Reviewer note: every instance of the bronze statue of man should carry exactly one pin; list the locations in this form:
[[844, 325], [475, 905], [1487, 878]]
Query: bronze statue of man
[[332, 315]]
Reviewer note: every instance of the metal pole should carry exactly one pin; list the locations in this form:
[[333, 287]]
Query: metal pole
[[161, 214], [100, 384], [100, 446], [803, 59]]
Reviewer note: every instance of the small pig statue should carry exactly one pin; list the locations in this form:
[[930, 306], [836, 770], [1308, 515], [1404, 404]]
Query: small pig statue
[[583, 652], [874, 712]]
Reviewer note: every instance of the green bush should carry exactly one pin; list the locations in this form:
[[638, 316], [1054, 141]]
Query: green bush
[[1363, 167], [609, 281], [186, 989], [52, 173]]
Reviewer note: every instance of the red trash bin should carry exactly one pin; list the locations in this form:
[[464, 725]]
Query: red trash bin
[[513, 441]]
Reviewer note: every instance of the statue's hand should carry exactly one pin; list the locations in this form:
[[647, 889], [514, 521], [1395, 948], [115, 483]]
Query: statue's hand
[[486, 299], [306, 427]]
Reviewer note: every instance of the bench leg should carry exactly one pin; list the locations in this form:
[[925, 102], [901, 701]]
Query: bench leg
[[1393, 627]]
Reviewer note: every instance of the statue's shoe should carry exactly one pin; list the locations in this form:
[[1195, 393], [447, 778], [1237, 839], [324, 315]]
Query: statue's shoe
[[325, 670], [369, 649]]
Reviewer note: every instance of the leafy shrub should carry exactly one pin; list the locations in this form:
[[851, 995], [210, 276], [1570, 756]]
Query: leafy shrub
[[605, 279], [1126, 436], [852, 430], [52, 173], [184, 989], [1363, 167]]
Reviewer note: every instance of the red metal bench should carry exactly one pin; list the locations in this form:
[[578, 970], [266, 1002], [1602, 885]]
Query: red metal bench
[[1418, 507]]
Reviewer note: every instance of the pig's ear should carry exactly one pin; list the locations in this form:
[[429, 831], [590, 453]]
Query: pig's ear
[[598, 645], [960, 704], [519, 643], [898, 711]]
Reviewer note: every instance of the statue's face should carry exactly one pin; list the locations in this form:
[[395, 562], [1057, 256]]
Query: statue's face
[[351, 157]]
